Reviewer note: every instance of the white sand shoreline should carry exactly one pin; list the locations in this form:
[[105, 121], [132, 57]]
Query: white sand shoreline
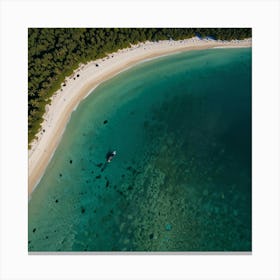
[[86, 78]]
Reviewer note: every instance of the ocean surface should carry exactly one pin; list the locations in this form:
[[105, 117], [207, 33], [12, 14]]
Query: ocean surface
[[181, 179]]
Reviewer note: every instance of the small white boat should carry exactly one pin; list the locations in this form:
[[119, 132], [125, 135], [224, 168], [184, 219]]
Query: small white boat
[[111, 155]]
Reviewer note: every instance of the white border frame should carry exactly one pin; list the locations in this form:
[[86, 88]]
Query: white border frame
[[262, 16]]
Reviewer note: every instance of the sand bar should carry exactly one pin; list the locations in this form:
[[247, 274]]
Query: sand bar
[[85, 79]]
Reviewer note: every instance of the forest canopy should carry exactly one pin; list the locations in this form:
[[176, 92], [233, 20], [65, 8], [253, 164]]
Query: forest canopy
[[54, 53]]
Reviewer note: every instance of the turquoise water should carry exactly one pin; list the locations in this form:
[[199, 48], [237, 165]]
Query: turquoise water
[[181, 179]]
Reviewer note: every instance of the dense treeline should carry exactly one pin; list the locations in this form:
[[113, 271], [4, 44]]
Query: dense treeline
[[53, 54]]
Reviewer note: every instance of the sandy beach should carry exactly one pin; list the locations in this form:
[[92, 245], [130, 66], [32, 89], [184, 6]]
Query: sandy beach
[[85, 79]]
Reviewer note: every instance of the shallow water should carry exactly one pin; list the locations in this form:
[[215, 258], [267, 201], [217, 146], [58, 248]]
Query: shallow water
[[181, 179]]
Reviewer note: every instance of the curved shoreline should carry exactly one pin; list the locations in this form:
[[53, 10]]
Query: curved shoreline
[[85, 79]]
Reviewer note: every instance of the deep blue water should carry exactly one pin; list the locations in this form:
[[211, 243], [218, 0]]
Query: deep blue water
[[181, 180]]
